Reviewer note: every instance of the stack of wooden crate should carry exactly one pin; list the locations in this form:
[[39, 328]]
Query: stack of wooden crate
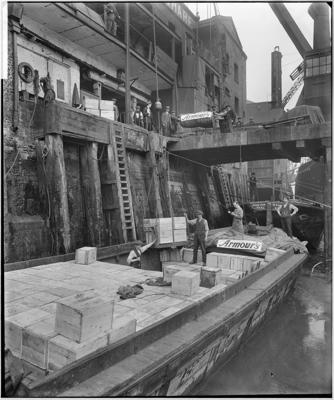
[[81, 324], [234, 262], [167, 231]]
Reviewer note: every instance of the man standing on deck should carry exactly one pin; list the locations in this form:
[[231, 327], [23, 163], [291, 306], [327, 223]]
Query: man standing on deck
[[284, 211], [200, 236], [165, 122], [252, 187]]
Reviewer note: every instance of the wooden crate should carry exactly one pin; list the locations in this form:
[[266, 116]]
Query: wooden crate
[[35, 341], [15, 324], [211, 276], [187, 255], [185, 282], [169, 271], [85, 255], [164, 230], [84, 316], [62, 351]]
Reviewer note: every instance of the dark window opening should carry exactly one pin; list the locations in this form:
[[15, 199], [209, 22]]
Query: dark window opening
[[226, 63], [236, 105], [236, 73], [60, 89]]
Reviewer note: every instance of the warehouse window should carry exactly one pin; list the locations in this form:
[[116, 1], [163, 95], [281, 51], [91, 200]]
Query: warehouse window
[[226, 63], [60, 89], [318, 65], [236, 73], [236, 105]]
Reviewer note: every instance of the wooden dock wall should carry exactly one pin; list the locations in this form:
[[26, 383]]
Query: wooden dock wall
[[62, 193]]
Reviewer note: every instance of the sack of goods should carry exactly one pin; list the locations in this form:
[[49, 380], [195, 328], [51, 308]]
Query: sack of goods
[[201, 119]]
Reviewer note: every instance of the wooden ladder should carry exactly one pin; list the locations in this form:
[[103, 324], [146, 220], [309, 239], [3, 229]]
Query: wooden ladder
[[225, 185], [123, 186]]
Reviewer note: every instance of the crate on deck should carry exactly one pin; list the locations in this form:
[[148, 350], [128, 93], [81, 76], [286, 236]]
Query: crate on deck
[[167, 231]]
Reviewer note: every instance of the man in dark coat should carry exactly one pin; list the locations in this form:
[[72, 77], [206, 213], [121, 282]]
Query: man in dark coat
[[200, 236]]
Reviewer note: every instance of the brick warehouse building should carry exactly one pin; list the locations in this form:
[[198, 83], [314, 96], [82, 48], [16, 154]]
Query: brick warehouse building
[[60, 186]]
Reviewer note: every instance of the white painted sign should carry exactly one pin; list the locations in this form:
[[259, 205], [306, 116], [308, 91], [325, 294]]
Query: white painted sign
[[240, 244]]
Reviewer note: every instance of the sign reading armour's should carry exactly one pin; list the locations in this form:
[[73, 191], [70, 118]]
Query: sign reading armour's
[[240, 244]]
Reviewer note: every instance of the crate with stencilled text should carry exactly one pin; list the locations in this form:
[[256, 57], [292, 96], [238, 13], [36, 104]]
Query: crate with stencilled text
[[83, 316]]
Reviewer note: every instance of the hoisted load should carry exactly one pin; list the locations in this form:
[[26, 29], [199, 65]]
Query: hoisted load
[[203, 119]]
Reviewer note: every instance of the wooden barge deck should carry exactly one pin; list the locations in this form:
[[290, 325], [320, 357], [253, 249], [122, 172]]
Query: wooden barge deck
[[178, 338]]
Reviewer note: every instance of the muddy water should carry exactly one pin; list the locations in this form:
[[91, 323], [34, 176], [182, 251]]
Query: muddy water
[[291, 352]]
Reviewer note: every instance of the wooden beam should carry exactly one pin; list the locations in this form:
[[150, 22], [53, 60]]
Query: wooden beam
[[57, 193], [155, 177], [92, 193], [117, 232], [309, 149], [285, 151]]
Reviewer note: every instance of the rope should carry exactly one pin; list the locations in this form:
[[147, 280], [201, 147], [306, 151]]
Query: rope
[[277, 190], [17, 154], [188, 159]]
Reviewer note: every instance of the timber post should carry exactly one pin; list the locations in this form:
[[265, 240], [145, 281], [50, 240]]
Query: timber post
[[116, 215], [56, 183], [155, 177], [92, 193]]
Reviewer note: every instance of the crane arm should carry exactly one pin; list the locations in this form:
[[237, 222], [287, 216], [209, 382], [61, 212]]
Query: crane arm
[[291, 28]]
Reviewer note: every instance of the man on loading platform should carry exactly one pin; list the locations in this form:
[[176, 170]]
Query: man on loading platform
[[200, 236]]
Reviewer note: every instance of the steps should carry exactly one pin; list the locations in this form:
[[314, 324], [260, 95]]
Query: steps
[[123, 186]]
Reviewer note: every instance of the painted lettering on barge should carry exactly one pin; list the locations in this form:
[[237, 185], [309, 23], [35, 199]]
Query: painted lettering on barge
[[240, 244]]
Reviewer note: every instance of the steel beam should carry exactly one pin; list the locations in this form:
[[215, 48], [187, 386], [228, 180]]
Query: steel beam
[[291, 28]]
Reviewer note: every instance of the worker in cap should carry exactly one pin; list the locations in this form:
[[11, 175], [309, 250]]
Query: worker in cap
[[200, 236]]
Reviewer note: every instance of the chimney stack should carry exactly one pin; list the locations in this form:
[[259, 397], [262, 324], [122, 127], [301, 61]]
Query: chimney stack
[[320, 14], [276, 78]]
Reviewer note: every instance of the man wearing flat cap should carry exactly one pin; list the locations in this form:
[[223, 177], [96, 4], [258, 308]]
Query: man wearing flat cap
[[200, 236]]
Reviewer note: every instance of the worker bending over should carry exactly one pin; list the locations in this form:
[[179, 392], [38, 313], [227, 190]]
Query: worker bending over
[[200, 236], [134, 256]]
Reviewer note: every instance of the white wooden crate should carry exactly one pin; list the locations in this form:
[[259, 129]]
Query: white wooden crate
[[84, 316]]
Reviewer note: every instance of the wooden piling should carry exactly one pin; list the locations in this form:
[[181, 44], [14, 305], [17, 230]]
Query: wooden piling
[[92, 193], [155, 177], [56, 183]]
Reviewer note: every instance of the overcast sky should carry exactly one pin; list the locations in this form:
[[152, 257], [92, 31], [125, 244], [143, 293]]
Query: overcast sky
[[260, 31]]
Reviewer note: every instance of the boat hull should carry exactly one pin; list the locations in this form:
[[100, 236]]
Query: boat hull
[[307, 224], [189, 368], [171, 357]]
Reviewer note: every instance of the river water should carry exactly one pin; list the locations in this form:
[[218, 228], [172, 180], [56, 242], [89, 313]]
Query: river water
[[291, 352]]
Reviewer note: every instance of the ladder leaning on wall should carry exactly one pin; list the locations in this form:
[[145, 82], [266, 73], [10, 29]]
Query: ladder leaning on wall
[[123, 185], [225, 186]]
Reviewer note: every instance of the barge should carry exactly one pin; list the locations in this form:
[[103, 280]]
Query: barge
[[307, 225], [182, 330]]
